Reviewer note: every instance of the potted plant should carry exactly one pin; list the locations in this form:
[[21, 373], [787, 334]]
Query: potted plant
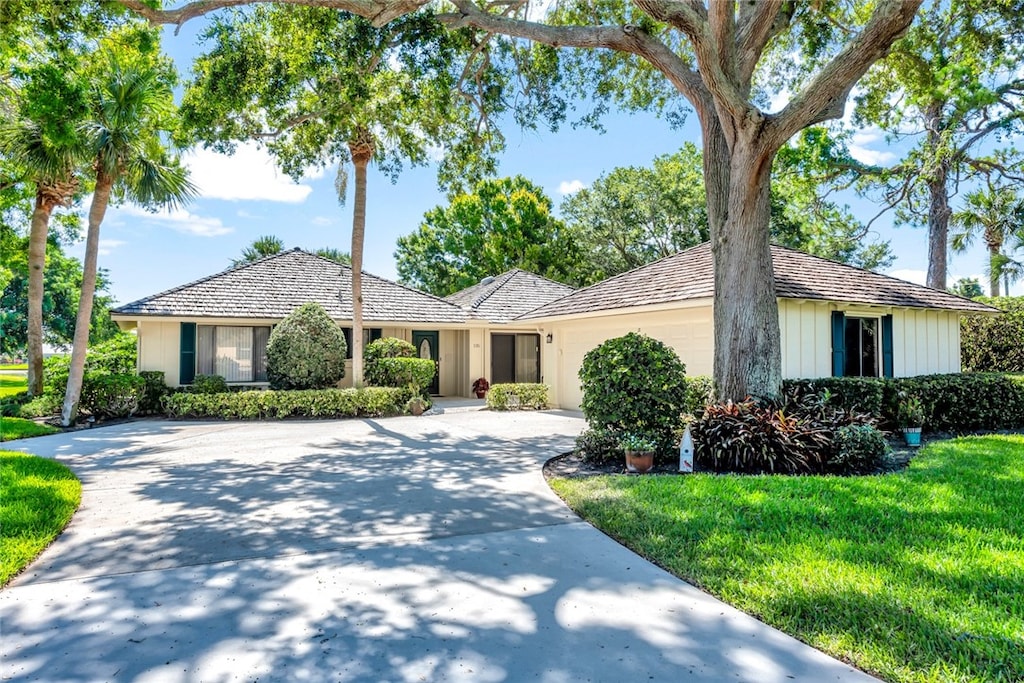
[[910, 416], [639, 450], [480, 387]]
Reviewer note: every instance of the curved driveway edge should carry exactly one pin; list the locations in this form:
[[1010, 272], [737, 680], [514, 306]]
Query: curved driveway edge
[[406, 549]]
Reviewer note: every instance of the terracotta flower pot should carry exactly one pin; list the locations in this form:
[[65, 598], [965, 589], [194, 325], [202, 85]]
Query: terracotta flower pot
[[639, 462], [481, 394]]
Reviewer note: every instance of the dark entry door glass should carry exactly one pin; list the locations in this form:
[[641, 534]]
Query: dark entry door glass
[[503, 358], [426, 343]]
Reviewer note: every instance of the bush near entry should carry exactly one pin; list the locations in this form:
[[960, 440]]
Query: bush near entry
[[523, 396], [306, 350], [634, 383], [326, 403], [379, 349]]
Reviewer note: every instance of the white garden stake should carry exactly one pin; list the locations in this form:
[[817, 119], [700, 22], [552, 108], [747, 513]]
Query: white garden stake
[[686, 452]]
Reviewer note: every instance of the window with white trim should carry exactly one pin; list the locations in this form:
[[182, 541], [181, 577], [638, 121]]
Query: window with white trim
[[236, 353]]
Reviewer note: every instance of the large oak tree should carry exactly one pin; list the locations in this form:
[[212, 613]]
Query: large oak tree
[[709, 53]]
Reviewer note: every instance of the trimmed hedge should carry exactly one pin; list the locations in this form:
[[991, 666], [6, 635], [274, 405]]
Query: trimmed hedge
[[306, 350], [698, 393], [385, 347], [526, 397], [263, 405], [404, 372], [957, 403]]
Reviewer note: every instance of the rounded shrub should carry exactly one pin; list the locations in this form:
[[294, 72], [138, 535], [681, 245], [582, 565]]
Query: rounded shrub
[[859, 449], [634, 383], [306, 350]]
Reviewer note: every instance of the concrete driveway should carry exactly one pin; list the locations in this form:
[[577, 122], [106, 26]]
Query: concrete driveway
[[404, 549]]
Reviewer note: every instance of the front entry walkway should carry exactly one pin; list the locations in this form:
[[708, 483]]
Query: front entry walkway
[[406, 549]]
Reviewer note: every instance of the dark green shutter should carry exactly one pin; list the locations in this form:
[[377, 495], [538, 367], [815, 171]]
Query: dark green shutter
[[187, 368], [838, 343], [887, 345]]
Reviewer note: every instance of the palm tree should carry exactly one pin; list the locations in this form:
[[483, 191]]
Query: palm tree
[[996, 212], [131, 104], [261, 247], [46, 150]]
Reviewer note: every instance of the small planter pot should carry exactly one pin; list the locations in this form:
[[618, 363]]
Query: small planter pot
[[639, 462], [481, 394], [912, 435], [416, 408]]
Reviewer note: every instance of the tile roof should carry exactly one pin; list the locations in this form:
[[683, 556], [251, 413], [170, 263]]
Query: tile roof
[[690, 275], [274, 286], [509, 295]]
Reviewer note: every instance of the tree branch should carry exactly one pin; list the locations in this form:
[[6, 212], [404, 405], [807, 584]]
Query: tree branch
[[379, 12], [624, 39], [825, 96], [759, 23]]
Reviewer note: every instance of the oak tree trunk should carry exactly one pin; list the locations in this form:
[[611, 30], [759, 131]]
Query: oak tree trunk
[[76, 374], [40, 228], [362, 151], [748, 359]]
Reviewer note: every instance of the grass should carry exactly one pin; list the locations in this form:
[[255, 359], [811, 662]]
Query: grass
[[13, 366], [12, 428], [12, 384], [37, 498], [917, 576]]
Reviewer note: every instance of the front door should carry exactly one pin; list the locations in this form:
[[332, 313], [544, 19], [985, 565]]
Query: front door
[[426, 347]]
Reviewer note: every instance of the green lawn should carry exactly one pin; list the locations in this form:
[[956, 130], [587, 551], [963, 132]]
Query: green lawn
[[12, 428], [12, 384], [37, 498], [13, 366], [917, 576]]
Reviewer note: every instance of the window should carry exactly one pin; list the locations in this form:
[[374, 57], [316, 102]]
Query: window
[[862, 346], [515, 358], [238, 354], [861, 337], [369, 334]]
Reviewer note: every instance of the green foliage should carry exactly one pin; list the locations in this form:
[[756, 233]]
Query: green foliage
[[752, 439], [261, 247], [633, 441], [208, 384], [322, 78], [599, 446], [636, 383], [993, 344], [153, 393], [699, 389], [385, 347], [909, 412], [416, 373], [996, 213], [62, 282], [856, 394], [503, 224], [913, 576], [306, 350], [115, 356], [110, 396], [12, 428], [858, 449], [38, 496], [273, 405], [523, 396], [40, 406], [967, 287]]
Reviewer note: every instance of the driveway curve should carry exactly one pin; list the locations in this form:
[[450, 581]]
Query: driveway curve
[[402, 549]]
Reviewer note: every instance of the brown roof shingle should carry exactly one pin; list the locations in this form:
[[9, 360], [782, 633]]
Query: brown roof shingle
[[274, 286], [690, 275], [509, 295]]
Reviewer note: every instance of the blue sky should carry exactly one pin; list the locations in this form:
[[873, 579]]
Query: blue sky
[[243, 197]]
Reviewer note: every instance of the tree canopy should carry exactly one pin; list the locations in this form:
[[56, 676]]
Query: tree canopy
[[504, 223]]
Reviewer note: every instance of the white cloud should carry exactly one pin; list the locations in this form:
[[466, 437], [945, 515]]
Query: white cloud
[[859, 148], [570, 186], [918, 277], [106, 246], [180, 220], [250, 173]]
